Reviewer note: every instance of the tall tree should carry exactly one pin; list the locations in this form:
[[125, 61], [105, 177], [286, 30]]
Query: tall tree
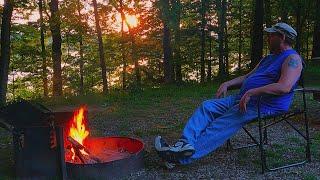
[[298, 14], [43, 51], [176, 8], [56, 47], [267, 13], [257, 34], [209, 72], [81, 62], [203, 39], [132, 34], [301, 9], [316, 32], [101, 49], [124, 62], [221, 6], [166, 42], [240, 36], [226, 43], [5, 49], [284, 10], [134, 58]]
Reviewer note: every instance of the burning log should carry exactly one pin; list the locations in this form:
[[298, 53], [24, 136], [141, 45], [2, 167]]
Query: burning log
[[78, 147]]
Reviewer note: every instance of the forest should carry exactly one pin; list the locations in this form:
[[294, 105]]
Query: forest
[[148, 70], [76, 47]]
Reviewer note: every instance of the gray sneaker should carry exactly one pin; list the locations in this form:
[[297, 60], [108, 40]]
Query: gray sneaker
[[172, 154], [183, 147]]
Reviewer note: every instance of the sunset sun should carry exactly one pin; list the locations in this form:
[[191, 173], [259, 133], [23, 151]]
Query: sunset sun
[[132, 20]]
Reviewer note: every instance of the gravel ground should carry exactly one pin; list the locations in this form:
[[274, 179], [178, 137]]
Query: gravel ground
[[221, 164], [234, 164]]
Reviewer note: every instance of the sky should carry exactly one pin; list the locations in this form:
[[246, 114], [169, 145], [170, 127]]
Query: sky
[[133, 21]]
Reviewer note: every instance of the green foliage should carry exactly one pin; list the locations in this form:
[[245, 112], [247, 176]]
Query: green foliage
[[26, 62]]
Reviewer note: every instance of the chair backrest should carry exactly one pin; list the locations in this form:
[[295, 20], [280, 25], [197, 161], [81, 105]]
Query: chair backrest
[[301, 79]]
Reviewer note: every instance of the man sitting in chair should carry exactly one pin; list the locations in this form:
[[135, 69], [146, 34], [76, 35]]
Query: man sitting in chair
[[217, 120]]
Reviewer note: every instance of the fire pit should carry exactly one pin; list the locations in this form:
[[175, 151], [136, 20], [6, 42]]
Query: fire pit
[[58, 144], [117, 155], [96, 157]]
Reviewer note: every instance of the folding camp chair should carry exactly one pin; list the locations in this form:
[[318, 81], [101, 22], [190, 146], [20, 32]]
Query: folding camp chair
[[263, 124]]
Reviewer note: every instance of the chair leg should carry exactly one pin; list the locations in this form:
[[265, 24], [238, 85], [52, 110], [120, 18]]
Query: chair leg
[[261, 148], [229, 145], [265, 132], [308, 153]]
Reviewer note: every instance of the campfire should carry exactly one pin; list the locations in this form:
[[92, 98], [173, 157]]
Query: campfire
[[77, 133], [78, 143], [59, 144]]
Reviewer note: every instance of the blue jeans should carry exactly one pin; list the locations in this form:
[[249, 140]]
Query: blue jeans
[[214, 122]]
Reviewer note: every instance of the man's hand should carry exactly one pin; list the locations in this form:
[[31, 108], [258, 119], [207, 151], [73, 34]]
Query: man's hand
[[222, 90], [244, 100]]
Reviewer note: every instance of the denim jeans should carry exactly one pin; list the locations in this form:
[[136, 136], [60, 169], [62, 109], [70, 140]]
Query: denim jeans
[[214, 122]]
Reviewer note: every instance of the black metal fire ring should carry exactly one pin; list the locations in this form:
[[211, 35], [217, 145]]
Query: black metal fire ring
[[108, 170]]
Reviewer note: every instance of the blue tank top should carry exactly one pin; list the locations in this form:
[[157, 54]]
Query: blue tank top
[[268, 72]]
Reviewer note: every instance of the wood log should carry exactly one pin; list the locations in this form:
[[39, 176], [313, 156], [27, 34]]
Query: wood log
[[77, 147]]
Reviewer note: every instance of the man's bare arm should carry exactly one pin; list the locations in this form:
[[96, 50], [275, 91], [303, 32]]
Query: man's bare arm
[[290, 72]]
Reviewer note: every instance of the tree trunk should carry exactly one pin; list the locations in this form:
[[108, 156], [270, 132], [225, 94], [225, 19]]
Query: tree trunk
[[167, 51], [81, 63], [298, 26], [43, 52], [124, 71], [135, 60], [101, 50], [226, 50], [177, 53], [178, 56], [221, 22], [167, 55], [56, 47], [267, 13], [5, 49], [257, 34], [226, 47], [209, 72], [307, 41], [316, 33], [284, 10], [203, 39], [240, 37]]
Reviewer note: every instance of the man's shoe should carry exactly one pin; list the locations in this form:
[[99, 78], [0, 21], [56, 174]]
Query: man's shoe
[[160, 144], [172, 154], [182, 148], [163, 150]]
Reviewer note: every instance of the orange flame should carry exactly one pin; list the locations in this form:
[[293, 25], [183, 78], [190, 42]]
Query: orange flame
[[78, 128]]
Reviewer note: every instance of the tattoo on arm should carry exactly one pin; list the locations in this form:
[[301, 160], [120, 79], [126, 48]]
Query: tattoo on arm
[[293, 63]]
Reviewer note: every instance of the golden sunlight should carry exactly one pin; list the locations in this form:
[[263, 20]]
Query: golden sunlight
[[132, 20]]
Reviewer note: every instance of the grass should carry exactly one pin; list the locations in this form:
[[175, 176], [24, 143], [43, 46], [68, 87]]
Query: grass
[[310, 176], [161, 110], [6, 158]]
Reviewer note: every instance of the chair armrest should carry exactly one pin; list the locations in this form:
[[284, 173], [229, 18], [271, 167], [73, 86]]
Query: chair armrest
[[311, 90]]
